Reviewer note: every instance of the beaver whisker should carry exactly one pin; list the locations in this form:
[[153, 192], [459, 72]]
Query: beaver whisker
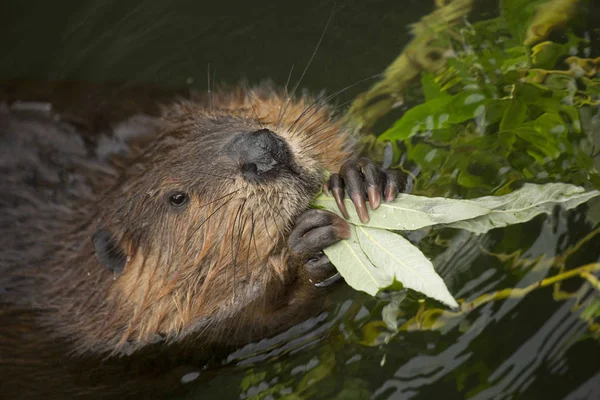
[[229, 171], [267, 229], [250, 94], [234, 253], [214, 175], [189, 236], [276, 239], [278, 230], [315, 126], [307, 65], [285, 91], [219, 198], [278, 213], [258, 255], [320, 102], [323, 99], [316, 105], [250, 244], [208, 91], [314, 143], [184, 250], [241, 229], [241, 232], [209, 217]]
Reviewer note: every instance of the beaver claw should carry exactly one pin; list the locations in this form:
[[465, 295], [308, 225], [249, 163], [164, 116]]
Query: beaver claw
[[362, 179], [314, 231], [320, 266]]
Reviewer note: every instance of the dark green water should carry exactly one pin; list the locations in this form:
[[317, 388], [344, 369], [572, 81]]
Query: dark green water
[[535, 347], [173, 42]]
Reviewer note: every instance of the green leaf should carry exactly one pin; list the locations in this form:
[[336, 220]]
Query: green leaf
[[438, 113], [404, 262], [572, 114], [524, 204], [355, 267], [541, 97], [423, 116], [518, 14], [496, 110], [547, 136], [514, 115], [373, 259], [431, 88], [425, 154], [546, 54], [544, 143], [409, 212]]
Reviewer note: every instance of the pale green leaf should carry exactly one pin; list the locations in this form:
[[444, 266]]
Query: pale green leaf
[[524, 204], [400, 259], [409, 212], [373, 258], [354, 266]]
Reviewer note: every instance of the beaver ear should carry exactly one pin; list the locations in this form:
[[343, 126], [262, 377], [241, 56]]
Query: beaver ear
[[109, 251]]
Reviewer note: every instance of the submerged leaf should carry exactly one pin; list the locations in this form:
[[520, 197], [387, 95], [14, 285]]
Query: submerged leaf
[[389, 313]]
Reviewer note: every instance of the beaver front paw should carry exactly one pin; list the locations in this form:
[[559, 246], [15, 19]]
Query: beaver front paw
[[362, 178], [314, 231]]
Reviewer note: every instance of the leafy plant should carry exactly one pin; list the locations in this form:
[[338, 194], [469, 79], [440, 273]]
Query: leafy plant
[[503, 105], [499, 111], [498, 102], [375, 258]]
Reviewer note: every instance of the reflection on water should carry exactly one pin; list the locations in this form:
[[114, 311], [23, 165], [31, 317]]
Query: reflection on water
[[535, 346]]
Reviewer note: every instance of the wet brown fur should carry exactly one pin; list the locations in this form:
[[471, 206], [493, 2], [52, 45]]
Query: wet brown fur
[[216, 272]]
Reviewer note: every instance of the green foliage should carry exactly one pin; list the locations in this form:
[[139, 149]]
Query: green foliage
[[509, 106], [498, 112], [517, 15], [438, 113]]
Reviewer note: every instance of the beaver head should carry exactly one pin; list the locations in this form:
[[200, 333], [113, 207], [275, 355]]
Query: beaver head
[[195, 227]]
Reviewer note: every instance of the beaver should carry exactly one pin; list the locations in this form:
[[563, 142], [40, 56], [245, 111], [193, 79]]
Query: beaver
[[186, 226]]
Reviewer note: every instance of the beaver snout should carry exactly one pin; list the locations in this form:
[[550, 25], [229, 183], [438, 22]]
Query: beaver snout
[[260, 155]]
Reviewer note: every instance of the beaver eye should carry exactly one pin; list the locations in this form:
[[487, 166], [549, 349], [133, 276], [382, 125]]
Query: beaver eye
[[178, 199]]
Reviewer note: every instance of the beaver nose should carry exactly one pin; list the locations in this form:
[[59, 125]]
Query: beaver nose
[[260, 154]]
